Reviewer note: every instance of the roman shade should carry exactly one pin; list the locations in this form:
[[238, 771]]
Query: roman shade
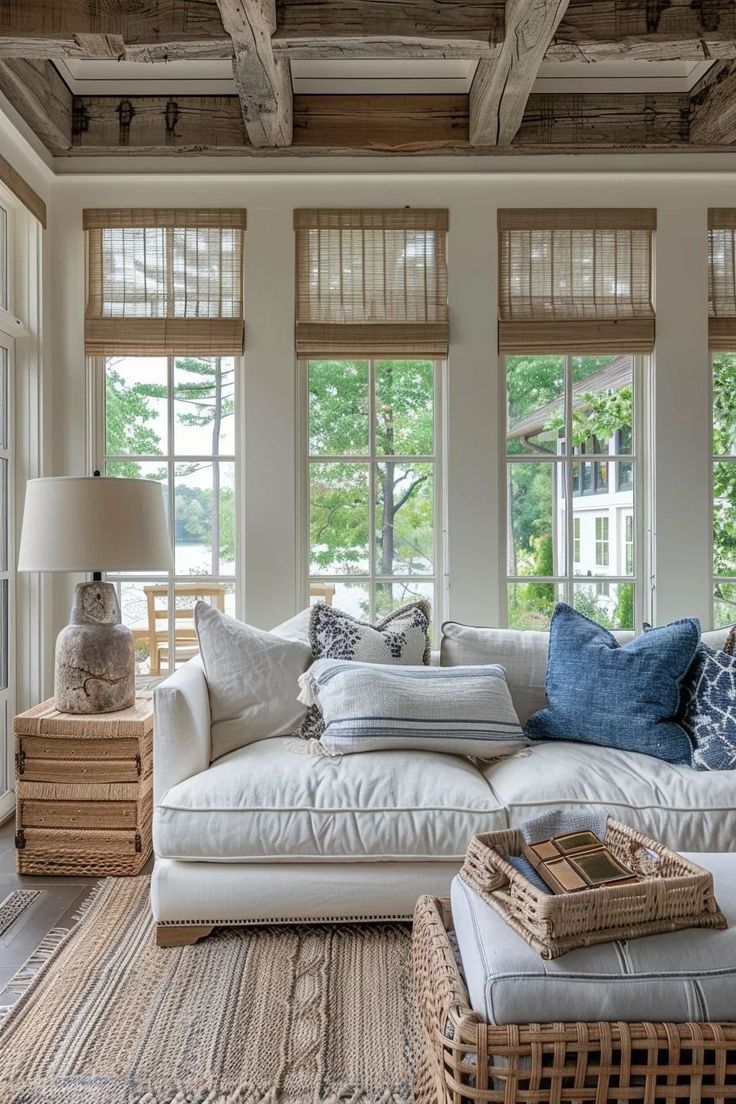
[[371, 282], [722, 278], [164, 282], [22, 191], [576, 281]]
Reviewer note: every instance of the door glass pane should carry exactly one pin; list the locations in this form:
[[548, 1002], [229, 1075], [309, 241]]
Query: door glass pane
[[724, 408], [4, 515], [353, 598], [4, 632], [389, 596], [4, 384], [610, 604], [404, 407], [404, 519], [339, 407], [136, 406], [535, 409], [724, 518], [338, 519], [536, 544], [724, 602], [204, 406], [530, 605]]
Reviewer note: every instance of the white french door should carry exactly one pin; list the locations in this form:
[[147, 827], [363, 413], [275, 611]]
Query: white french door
[[7, 570]]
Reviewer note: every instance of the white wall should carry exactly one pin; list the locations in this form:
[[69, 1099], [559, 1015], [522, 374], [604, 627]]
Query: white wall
[[475, 545]]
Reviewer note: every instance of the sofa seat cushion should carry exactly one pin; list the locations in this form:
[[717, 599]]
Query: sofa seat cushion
[[676, 977], [266, 803], [682, 807]]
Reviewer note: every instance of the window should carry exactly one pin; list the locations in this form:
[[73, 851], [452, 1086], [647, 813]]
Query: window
[[559, 410], [576, 540], [724, 488], [601, 542], [372, 488], [172, 419]]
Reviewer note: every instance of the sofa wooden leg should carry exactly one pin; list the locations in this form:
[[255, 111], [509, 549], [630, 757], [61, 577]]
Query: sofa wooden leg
[[180, 935]]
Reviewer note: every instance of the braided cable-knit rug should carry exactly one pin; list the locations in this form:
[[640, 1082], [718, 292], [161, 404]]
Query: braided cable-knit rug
[[279, 1015]]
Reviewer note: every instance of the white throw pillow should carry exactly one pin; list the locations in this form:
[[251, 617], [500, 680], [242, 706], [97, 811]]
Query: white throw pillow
[[376, 706], [252, 677]]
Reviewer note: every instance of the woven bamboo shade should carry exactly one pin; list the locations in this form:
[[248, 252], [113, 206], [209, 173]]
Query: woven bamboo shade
[[164, 282], [577, 281], [371, 282], [722, 278]]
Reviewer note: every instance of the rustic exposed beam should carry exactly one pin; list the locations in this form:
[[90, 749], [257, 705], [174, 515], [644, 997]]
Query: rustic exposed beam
[[141, 124], [310, 29], [149, 31], [662, 30], [263, 81], [713, 106], [615, 122], [501, 87], [39, 95], [380, 124]]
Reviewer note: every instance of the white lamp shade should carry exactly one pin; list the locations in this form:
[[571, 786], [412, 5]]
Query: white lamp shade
[[94, 524]]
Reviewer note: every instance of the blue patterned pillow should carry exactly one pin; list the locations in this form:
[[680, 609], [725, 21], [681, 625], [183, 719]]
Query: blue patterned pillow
[[623, 696], [709, 713]]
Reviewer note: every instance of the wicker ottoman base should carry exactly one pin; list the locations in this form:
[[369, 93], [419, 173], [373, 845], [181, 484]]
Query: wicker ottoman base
[[464, 1059]]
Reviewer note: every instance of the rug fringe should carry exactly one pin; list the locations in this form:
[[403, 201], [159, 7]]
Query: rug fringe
[[21, 981]]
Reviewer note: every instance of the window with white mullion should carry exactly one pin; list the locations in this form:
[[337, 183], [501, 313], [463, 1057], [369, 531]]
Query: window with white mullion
[[7, 561], [723, 452], [572, 470], [172, 419], [371, 482]]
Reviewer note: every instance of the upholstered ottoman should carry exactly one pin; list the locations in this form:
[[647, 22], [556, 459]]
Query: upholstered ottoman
[[648, 1020]]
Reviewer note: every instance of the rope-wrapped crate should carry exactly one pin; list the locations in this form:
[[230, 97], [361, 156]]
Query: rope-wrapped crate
[[673, 893], [84, 791], [464, 1060]]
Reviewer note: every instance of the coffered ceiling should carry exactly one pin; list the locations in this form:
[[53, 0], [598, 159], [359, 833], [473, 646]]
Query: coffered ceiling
[[263, 77]]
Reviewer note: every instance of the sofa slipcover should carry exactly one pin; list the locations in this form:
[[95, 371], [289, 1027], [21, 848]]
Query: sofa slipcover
[[676, 977], [266, 803]]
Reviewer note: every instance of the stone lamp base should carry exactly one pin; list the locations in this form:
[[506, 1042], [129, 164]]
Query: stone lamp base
[[95, 655]]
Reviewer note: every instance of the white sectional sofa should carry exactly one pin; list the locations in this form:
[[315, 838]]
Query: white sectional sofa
[[265, 834]]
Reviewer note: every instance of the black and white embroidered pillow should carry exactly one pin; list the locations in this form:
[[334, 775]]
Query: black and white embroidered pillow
[[709, 715], [400, 637]]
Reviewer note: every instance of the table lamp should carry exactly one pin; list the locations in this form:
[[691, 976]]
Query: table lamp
[[94, 524]]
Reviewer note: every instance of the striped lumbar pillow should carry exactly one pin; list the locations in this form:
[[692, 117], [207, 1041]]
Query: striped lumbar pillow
[[373, 706]]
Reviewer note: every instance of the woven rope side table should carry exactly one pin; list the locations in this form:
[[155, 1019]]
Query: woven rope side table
[[84, 790]]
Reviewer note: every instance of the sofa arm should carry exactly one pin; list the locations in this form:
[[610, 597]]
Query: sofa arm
[[181, 733]]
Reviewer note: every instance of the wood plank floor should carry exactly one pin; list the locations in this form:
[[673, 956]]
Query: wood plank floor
[[55, 908]]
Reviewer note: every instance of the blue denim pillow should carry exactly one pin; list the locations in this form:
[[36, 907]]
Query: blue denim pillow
[[621, 696]]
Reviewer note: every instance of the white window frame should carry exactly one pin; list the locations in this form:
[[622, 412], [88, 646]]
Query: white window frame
[[8, 576], [643, 490], [439, 578], [98, 459]]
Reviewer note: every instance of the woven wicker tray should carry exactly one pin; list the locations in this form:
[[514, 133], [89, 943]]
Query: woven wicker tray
[[674, 894]]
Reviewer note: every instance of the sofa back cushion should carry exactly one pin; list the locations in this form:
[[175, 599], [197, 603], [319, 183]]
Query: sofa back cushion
[[523, 655], [251, 677]]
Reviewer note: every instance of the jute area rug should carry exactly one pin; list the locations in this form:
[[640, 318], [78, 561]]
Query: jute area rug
[[275, 1015]]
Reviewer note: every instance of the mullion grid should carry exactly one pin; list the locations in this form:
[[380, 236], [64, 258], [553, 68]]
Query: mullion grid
[[565, 464], [169, 460], [717, 458], [372, 460]]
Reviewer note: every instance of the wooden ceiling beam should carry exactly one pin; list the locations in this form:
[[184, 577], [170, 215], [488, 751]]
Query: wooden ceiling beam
[[263, 81], [152, 31], [635, 30], [381, 124], [713, 106], [41, 98], [502, 86], [334, 29]]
